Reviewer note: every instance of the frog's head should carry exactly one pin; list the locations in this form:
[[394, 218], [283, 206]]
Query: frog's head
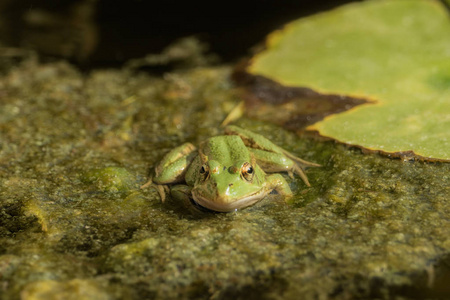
[[225, 188]]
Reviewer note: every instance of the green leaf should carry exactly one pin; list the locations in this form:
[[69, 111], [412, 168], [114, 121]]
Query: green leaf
[[395, 53]]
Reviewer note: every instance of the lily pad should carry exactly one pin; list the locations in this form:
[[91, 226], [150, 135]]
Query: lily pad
[[395, 54]]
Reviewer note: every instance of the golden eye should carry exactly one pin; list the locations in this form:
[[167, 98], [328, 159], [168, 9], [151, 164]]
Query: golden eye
[[204, 171], [247, 171]]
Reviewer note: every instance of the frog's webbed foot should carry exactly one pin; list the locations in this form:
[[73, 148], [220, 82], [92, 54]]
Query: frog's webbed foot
[[299, 167], [300, 172], [161, 189]]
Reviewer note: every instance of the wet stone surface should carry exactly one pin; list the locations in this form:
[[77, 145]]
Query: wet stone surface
[[75, 148]]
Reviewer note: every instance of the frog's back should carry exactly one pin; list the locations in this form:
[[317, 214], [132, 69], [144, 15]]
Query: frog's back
[[227, 149]]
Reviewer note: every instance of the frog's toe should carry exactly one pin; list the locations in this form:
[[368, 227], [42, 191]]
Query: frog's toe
[[299, 171], [301, 162], [235, 114], [291, 174], [299, 167], [161, 189], [147, 184]]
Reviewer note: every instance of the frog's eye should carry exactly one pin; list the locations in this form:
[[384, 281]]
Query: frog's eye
[[247, 171], [204, 170]]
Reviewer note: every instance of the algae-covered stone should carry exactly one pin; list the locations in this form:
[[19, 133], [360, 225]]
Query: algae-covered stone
[[73, 222], [76, 289], [111, 179]]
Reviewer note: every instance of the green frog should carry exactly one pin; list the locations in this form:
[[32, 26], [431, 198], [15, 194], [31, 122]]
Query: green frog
[[227, 172]]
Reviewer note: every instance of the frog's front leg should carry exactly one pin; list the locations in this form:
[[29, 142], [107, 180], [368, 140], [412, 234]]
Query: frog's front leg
[[181, 192], [172, 168], [278, 183]]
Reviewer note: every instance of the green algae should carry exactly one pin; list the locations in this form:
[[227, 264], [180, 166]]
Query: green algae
[[76, 289], [111, 179], [369, 227]]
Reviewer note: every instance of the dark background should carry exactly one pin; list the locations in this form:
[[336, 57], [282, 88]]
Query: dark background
[[231, 28], [107, 33]]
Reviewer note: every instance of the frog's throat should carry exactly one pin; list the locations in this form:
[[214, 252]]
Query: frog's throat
[[227, 207]]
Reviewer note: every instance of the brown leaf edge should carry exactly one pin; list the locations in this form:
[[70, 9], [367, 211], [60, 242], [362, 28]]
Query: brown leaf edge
[[263, 94], [408, 155], [306, 105]]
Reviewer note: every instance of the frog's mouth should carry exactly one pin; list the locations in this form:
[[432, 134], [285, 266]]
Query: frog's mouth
[[202, 208], [221, 206]]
